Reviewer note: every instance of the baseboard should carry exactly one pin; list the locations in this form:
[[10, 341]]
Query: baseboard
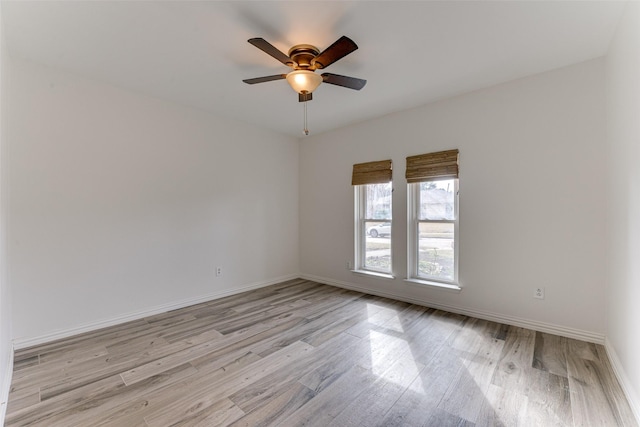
[[22, 343], [6, 387], [625, 383], [494, 317]]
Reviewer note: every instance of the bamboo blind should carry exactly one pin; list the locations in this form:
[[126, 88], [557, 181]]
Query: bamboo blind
[[371, 173], [432, 166]]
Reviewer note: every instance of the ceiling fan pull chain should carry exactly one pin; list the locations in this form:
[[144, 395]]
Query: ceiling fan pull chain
[[306, 129]]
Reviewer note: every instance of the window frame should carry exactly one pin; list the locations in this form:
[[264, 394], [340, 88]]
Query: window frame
[[360, 226], [413, 238]]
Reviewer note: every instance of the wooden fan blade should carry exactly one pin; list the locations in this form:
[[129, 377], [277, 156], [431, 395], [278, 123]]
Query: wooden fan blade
[[339, 49], [265, 79], [344, 81], [271, 50]]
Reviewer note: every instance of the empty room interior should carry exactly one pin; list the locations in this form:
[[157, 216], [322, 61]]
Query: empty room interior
[[441, 228]]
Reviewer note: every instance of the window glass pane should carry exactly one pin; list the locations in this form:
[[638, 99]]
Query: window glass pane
[[436, 250], [437, 199], [378, 246], [378, 201]]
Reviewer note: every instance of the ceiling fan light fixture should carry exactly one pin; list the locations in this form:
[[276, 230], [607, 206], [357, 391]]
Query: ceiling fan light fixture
[[304, 81]]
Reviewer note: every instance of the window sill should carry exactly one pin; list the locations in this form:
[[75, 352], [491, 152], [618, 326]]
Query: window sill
[[444, 286], [374, 274]]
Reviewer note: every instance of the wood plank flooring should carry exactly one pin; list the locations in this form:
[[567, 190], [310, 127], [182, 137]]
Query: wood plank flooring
[[302, 353]]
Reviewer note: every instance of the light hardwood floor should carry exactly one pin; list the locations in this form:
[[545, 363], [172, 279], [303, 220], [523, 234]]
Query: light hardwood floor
[[302, 353]]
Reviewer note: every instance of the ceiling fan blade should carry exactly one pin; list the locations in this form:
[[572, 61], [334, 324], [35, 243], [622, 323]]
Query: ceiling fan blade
[[344, 81], [339, 49], [271, 50], [265, 79]]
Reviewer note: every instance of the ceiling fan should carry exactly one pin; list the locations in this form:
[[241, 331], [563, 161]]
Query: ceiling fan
[[305, 59]]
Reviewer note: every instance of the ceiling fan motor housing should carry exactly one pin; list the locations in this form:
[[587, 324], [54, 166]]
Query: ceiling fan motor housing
[[303, 56]]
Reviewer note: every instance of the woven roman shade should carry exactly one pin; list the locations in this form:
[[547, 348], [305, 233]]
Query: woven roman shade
[[371, 173], [432, 166]]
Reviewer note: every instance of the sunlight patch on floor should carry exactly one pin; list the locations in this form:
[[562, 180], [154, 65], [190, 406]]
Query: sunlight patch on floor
[[391, 356], [384, 317]]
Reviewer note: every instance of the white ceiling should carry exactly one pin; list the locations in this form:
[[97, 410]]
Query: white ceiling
[[411, 53]]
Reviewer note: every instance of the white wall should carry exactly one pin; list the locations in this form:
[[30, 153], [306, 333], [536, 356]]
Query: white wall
[[532, 204], [6, 351], [122, 203], [623, 120]]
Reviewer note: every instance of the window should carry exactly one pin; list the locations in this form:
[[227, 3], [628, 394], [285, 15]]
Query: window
[[373, 224], [433, 229], [433, 217]]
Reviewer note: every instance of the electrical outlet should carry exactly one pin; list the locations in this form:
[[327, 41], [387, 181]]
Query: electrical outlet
[[538, 293], [218, 271], [349, 265]]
